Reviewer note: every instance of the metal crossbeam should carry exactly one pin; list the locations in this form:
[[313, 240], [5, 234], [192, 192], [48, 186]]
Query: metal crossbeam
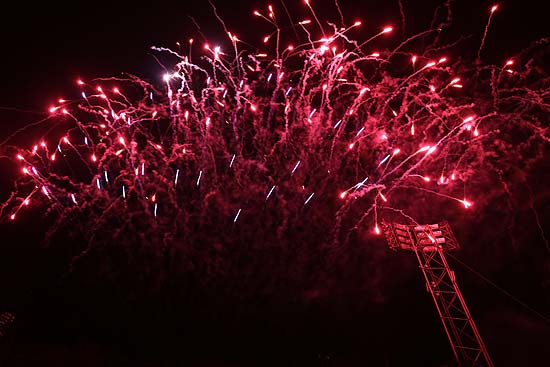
[[6, 319], [428, 243]]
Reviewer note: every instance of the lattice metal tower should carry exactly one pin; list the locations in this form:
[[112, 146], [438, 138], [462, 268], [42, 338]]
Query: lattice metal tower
[[6, 319], [428, 242]]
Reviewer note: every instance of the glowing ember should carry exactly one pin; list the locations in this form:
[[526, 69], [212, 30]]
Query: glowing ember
[[277, 136]]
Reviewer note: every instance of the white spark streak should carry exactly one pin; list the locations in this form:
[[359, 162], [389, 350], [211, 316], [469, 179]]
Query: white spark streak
[[236, 216]]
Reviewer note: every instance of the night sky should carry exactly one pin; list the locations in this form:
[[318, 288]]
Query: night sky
[[382, 317]]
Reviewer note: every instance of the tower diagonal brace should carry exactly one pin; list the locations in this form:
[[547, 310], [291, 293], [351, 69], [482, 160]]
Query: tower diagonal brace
[[458, 323]]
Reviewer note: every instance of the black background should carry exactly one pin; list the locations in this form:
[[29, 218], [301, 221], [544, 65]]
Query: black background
[[62, 321]]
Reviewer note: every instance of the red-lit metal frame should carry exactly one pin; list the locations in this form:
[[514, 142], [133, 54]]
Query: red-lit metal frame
[[6, 319], [428, 242]]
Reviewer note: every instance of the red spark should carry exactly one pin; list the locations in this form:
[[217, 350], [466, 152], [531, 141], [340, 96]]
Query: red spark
[[215, 139]]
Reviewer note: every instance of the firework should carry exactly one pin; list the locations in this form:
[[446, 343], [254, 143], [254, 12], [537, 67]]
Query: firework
[[306, 142]]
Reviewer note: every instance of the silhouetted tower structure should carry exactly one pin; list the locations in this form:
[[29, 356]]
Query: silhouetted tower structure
[[6, 319], [428, 243]]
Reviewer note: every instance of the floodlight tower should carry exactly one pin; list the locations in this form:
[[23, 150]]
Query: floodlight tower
[[428, 242], [6, 319]]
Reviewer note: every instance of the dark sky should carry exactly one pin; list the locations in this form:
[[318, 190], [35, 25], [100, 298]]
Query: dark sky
[[48, 44], [61, 321]]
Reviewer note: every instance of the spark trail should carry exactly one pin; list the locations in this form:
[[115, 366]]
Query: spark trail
[[327, 128]]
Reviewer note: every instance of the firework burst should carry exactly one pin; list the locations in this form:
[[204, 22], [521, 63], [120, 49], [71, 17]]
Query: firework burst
[[287, 145]]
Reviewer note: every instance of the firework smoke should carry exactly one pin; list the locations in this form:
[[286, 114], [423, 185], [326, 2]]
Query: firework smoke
[[282, 153]]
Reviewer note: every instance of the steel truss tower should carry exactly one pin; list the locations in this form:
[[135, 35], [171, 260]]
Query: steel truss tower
[[428, 242], [6, 319]]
